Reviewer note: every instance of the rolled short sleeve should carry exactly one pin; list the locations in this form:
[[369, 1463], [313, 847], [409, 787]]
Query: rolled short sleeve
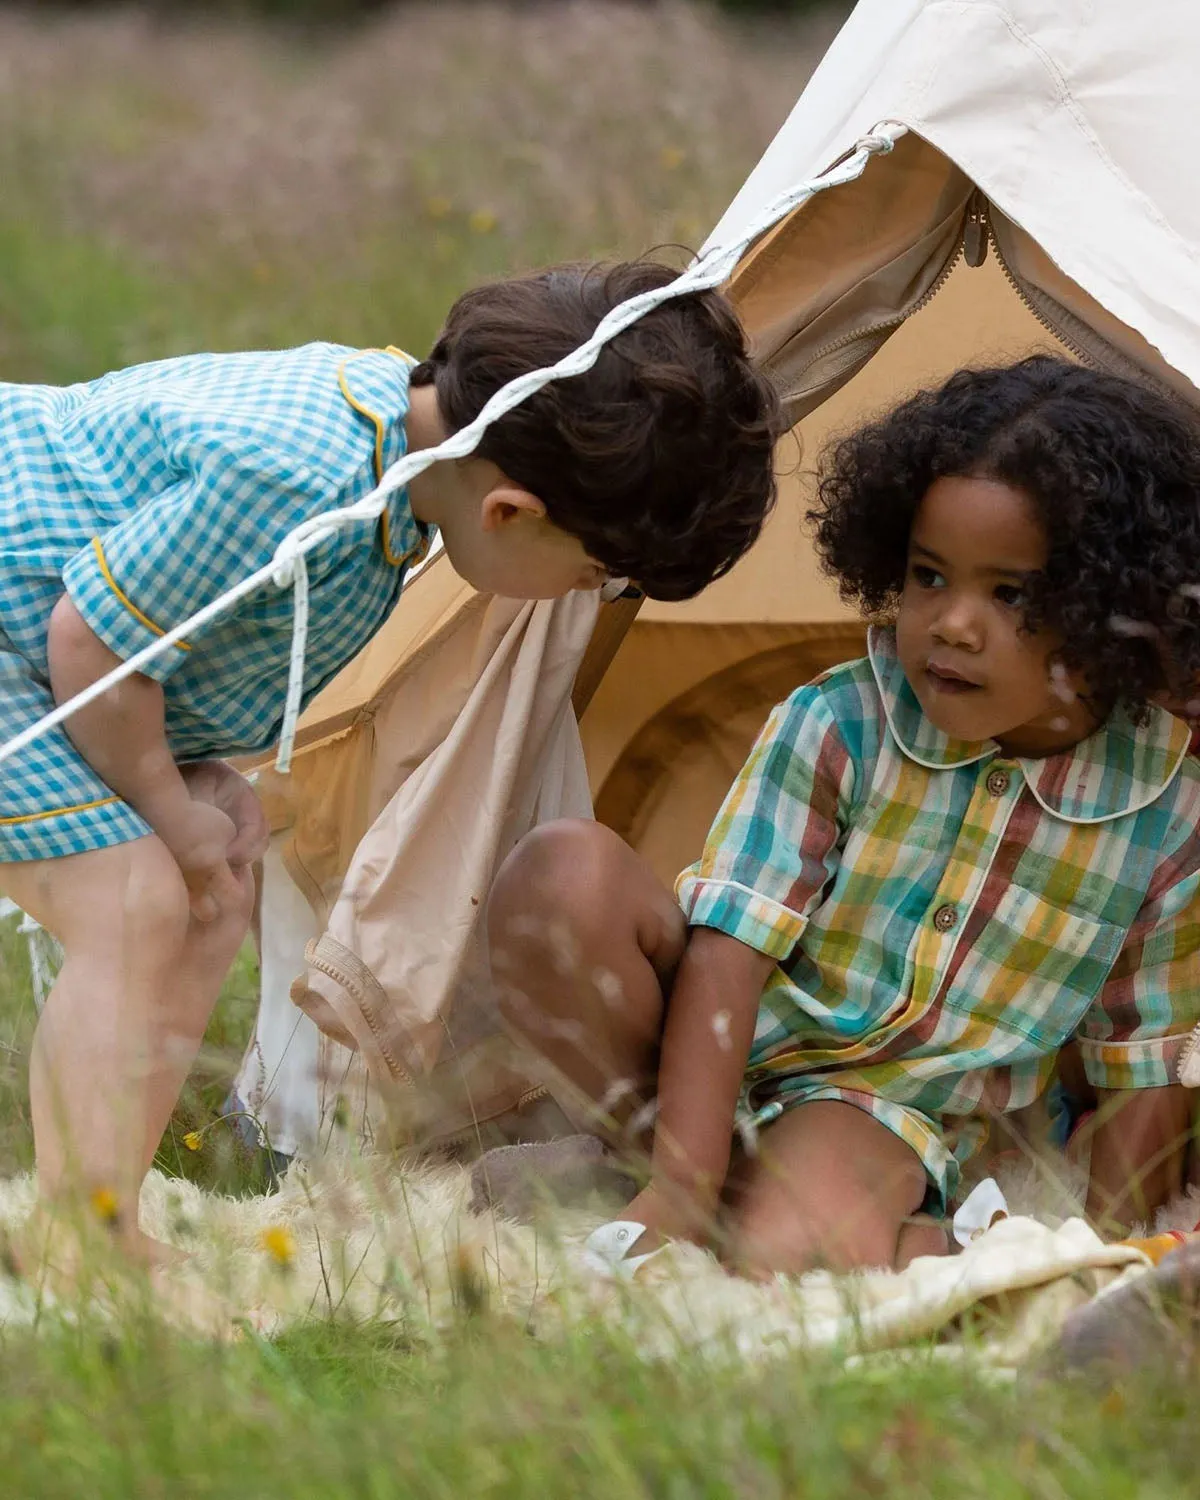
[[185, 547], [1133, 1034], [773, 846]]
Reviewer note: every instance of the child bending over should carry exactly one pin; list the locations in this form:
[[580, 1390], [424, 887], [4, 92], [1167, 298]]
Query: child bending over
[[939, 864], [128, 502]]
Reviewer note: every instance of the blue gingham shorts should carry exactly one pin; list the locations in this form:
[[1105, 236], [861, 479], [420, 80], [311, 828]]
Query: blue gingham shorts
[[51, 801]]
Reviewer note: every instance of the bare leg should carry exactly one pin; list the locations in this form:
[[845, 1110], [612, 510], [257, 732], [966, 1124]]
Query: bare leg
[[830, 1187], [584, 943], [179, 1022], [124, 1019]]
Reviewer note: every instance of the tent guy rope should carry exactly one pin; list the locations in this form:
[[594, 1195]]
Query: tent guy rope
[[289, 568]]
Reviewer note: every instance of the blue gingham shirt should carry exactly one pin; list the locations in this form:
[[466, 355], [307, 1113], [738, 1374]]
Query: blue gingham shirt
[[150, 491]]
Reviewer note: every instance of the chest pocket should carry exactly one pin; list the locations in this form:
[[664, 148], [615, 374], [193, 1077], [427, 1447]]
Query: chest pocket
[[1034, 970]]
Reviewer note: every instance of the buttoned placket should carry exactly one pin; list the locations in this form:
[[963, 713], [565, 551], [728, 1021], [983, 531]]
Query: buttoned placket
[[998, 786]]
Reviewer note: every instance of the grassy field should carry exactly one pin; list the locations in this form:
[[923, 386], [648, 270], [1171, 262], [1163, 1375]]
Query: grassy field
[[172, 188]]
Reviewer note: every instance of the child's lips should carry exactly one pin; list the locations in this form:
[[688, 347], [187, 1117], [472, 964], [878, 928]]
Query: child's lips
[[944, 679]]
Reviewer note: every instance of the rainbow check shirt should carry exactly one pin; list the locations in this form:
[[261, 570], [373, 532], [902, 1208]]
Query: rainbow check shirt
[[145, 495], [944, 918]]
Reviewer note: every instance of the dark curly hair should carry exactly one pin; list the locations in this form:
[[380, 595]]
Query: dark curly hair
[[1113, 469], [660, 458]]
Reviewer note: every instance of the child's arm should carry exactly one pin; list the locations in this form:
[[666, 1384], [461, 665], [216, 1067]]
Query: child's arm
[[123, 737], [769, 856], [1138, 1152], [706, 1040], [1131, 1037]]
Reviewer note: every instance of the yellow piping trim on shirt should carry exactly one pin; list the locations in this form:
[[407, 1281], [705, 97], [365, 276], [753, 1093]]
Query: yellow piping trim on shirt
[[397, 559], [124, 598], [58, 812]]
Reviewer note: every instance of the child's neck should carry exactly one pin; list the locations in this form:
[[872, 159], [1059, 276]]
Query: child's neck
[[429, 493], [1052, 734]]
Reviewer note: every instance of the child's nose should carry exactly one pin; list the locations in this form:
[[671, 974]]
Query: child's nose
[[957, 623]]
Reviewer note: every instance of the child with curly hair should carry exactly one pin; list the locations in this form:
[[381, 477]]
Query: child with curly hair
[[939, 865], [129, 502]]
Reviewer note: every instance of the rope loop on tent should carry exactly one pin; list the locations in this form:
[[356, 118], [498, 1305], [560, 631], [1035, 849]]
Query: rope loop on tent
[[288, 568], [876, 142]]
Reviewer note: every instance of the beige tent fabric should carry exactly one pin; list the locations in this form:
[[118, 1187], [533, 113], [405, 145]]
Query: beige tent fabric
[[399, 968], [694, 699], [1073, 118]]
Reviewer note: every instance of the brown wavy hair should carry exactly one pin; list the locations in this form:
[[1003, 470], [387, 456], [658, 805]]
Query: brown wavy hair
[[658, 459]]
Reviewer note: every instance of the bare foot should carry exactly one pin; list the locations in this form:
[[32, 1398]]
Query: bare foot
[[54, 1255], [921, 1236], [60, 1247]]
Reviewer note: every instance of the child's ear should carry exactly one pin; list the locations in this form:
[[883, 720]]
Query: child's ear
[[506, 502]]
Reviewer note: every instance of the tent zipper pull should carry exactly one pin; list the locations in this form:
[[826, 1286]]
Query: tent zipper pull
[[976, 230]]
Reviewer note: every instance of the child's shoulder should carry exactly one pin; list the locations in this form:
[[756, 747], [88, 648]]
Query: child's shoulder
[[847, 688], [844, 699], [228, 378], [311, 408], [1184, 790]]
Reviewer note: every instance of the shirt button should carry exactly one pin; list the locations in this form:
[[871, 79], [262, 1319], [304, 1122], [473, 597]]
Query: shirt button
[[945, 918], [998, 782]]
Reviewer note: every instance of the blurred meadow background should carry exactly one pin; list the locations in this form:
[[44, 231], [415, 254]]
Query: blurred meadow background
[[184, 177], [179, 179]]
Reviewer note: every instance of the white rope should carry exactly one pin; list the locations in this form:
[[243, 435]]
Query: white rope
[[287, 567], [293, 569]]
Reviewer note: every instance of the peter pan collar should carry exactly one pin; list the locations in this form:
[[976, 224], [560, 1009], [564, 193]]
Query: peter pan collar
[[374, 383], [1119, 769]]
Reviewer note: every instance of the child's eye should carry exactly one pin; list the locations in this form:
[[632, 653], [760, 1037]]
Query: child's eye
[[925, 577], [1010, 594]]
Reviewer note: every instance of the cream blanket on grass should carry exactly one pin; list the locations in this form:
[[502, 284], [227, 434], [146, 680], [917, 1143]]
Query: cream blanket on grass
[[366, 1240]]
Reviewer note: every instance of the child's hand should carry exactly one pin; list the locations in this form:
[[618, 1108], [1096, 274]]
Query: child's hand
[[219, 785], [214, 834], [669, 1214], [199, 837]]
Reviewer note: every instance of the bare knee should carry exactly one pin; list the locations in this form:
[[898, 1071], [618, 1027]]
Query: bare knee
[[153, 896], [832, 1187], [108, 898], [559, 868], [575, 882]]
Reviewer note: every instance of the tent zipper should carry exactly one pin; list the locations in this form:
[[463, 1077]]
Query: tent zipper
[[1092, 349], [471, 1132], [979, 222], [973, 244]]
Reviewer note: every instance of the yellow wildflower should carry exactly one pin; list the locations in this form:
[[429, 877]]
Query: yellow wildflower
[[438, 208], [279, 1243], [104, 1201], [482, 221], [192, 1140], [672, 157]]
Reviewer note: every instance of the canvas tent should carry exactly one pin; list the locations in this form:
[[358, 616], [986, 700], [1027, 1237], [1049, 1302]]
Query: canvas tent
[[1043, 195]]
